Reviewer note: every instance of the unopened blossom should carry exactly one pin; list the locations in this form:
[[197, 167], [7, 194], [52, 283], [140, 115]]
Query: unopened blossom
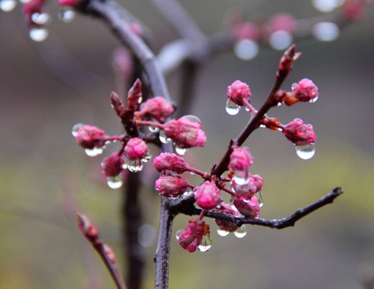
[[190, 237], [299, 133], [90, 137], [305, 90], [112, 165], [239, 91], [86, 227], [185, 133], [240, 162], [208, 196], [171, 186], [249, 189], [246, 30], [135, 95], [117, 104], [289, 56], [227, 210], [249, 208], [136, 149], [157, 107], [170, 161]]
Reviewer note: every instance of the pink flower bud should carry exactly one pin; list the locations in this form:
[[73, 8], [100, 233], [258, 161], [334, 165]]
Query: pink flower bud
[[185, 133], [86, 227], [249, 208], [134, 96], [208, 196], [70, 3], [170, 186], [169, 161], [136, 149], [240, 162], [117, 104], [157, 107], [90, 137], [238, 91], [289, 56], [110, 254], [353, 9], [112, 165], [249, 189], [305, 90], [246, 30], [299, 133], [190, 237], [228, 210]]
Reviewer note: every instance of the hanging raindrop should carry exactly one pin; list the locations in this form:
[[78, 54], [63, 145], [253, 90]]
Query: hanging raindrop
[[232, 108], [179, 232], [240, 178], [125, 164], [135, 166], [147, 157], [163, 137], [66, 15], [40, 18], [76, 128], [7, 5], [94, 152], [313, 100], [260, 199], [241, 232], [180, 151], [114, 182], [222, 233], [192, 118], [153, 129], [306, 152], [38, 34], [206, 244]]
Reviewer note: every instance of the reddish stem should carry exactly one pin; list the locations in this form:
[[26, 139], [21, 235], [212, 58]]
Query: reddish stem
[[149, 123]]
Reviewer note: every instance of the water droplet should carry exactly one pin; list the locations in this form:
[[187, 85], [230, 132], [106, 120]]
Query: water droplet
[[38, 34], [114, 182], [232, 108], [293, 85], [180, 151], [222, 233], [325, 31], [206, 244], [135, 166], [306, 152], [192, 118], [7, 5], [313, 100], [192, 173], [140, 100], [262, 125], [280, 40], [241, 232], [279, 104], [153, 129], [125, 164], [24, 1], [147, 157], [246, 49], [327, 5], [179, 232], [260, 199], [40, 18], [94, 152], [163, 137], [76, 127], [66, 15], [241, 178]]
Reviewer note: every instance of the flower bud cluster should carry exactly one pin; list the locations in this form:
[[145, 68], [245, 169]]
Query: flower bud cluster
[[239, 93], [299, 133]]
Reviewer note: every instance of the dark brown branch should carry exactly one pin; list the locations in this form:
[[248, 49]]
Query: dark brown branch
[[186, 207]]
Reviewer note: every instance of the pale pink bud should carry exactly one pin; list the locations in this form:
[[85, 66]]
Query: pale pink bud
[[240, 162], [70, 3], [239, 91], [249, 189], [190, 237], [112, 165], [305, 90], [171, 186], [136, 149], [157, 107], [299, 133], [90, 137], [246, 30], [86, 227], [185, 133], [117, 104], [289, 56], [208, 196], [228, 210], [135, 95], [170, 161], [249, 208]]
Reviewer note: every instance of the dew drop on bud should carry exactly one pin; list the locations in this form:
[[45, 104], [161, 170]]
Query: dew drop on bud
[[135, 166], [114, 182], [313, 100], [240, 178], [260, 199], [246, 49], [232, 108], [94, 152], [140, 100], [147, 157], [179, 232], [38, 34], [7, 5], [76, 128], [40, 18], [306, 152], [192, 173], [280, 40], [241, 232], [222, 233], [66, 15], [180, 151], [293, 85], [192, 118], [125, 164], [163, 137], [153, 129], [325, 31], [206, 244]]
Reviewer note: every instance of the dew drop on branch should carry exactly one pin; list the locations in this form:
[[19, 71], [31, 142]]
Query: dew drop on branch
[[180, 151], [260, 199], [114, 182], [306, 152], [38, 34], [7, 5], [76, 128], [241, 232], [153, 129], [147, 157], [94, 152], [222, 233], [232, 108], [163, 137], [206, 244], [135, 166]]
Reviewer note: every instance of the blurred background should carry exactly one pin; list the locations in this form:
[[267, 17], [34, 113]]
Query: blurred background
[[46, 88]]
